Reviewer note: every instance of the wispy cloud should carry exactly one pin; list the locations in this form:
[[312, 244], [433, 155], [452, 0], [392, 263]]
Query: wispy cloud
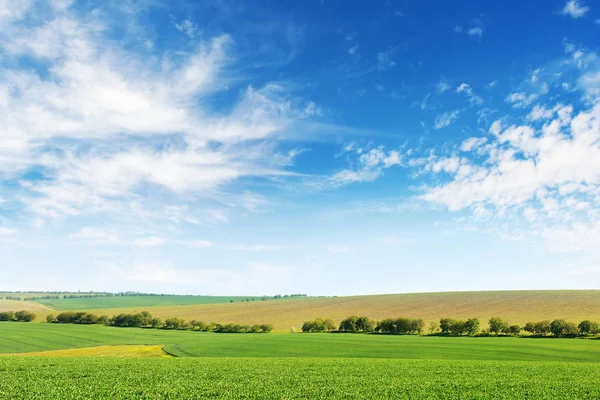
[[445, 119], [575, 9]]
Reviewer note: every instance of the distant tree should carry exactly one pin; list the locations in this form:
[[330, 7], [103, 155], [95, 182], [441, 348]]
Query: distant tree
[[7, 316], [588, 327], [445, 325], [472, 326], [497, 325], [364, 324], [329, 324], [433, 327], [570, 329], [557, 327], [538, 328], [514, 330], [308, 326], [24, 316], [349, 324], [156, 323], [50, 318], [103, 320], [174, 323]]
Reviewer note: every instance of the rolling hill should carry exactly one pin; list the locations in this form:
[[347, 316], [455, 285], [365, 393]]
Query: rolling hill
[[517, 306]]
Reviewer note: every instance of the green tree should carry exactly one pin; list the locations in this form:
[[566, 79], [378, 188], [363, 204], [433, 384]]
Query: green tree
[[24, 316], [472, 326], [349, 324], [329, 324], [497, 325], [514, 330], [557, 327], [588, 327], [50, 318], [433, 327], [156, 323]]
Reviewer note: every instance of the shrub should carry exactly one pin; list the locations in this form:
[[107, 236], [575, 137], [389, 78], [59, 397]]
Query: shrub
[[7, 316], [24, 316], [588, 327], [513, 330], [497, 325], [538, 328]]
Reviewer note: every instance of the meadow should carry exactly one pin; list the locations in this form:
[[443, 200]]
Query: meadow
[[289, 378], [29, 337], [98, 362]]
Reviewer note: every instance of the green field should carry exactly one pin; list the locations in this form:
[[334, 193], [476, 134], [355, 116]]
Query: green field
[[137, 301], [23, 337], [286, 378]]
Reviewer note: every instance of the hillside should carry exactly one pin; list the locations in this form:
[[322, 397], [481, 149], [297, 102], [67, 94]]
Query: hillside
[[16, 305], [516, 306], [138, 301]]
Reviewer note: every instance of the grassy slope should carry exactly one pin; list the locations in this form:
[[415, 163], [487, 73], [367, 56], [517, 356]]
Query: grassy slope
[[23, 337], [16, 305], [252, 378], [516, 306], [136, 301]]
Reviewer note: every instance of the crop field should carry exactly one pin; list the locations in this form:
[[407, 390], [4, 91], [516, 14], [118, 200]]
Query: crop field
[[16, 305], [518, 307], [288, 378], [23, 337], [137, 301], [134, 350]]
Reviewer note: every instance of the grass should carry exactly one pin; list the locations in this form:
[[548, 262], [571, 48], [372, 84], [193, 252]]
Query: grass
[[101, 351], [137, 301], [518, 307], [285, 378], [28, 337]]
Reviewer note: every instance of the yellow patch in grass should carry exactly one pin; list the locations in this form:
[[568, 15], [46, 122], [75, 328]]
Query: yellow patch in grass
[[102, 351]]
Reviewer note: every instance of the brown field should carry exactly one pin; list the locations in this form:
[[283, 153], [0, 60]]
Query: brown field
[[16, 305], [516, 306]]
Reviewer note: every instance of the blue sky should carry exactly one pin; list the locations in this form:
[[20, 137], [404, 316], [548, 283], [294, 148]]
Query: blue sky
[[262, 147]]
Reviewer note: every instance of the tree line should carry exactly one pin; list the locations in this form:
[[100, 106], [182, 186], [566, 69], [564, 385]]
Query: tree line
[[146, 320], [21, 316], [453, 327]]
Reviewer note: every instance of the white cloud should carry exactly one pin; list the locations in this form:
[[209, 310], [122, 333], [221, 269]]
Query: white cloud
[[550, 174], [13, 9], [152, 241], [521, 99], [468, 91], [83, 120], [96, 237], [472, 143], [198, 243], [370, 164], [443, 87], [254, 277], [4, 231], [384, 60], [352, 50], [255, 247], [575, 9], [188, 28], [445, 119], [476, 31], [339, 249]]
